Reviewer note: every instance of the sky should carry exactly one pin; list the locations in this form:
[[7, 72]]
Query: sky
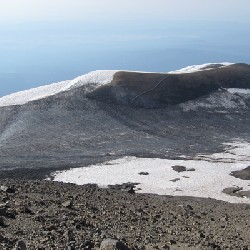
[[45, 41], [84, 10]]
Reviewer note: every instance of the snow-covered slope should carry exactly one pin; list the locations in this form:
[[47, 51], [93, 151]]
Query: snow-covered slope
[[96, 78], [25, 96], [200, 67], [223, 99]]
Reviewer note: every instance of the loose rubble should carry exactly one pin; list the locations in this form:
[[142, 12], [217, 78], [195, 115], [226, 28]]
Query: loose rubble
[[53, 215]]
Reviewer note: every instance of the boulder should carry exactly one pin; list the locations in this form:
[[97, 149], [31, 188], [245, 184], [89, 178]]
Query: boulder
[[179, 169], [243, 174], [233, 191], [143, 173], [2, 211], [111, 244], [8, 189], [21, 245], [68, 204], [2, 222]]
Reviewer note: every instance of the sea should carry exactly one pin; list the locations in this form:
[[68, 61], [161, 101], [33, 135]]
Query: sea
[[39, 53]]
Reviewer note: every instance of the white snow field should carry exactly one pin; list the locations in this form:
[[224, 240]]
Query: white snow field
[[97, 78], [211, 175]]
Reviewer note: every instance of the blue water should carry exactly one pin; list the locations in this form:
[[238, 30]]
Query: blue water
[[33, 54]]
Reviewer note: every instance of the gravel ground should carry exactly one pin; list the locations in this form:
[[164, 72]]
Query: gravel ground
[[53, 215]]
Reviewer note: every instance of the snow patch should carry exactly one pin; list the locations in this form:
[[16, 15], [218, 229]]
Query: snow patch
[[231, 98], [237, 151], [201, 67], [211, 175], [239, 91], [22, 97], [98, 78]]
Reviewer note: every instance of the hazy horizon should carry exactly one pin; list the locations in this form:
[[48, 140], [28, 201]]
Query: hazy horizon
[[50, 41]]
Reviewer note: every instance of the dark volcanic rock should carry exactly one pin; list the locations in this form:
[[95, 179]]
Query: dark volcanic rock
[[244, 193], [175, 180], [127, 187], [2, 221], [190, 169], [243, 174], [234, 191], [143, 173], [154, 90], [179, 169], [21, 245], [2, 211]]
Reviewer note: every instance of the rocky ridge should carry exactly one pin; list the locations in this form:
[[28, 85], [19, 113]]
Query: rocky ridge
[[159, 90]]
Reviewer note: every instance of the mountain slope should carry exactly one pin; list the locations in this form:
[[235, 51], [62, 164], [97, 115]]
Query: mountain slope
[[67, 129]]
